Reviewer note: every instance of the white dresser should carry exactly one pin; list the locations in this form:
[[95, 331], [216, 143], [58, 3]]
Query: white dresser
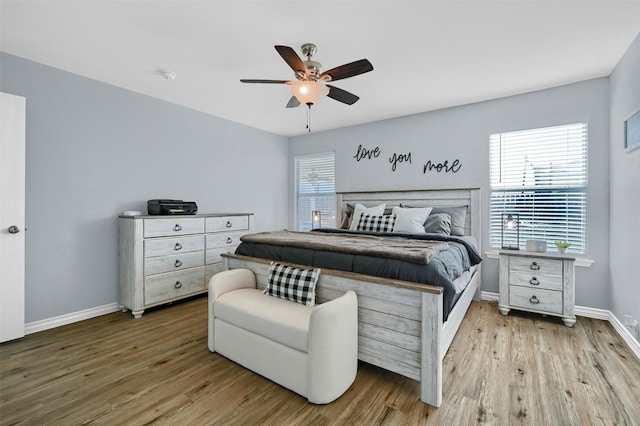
[[166, 258], [537, 282]]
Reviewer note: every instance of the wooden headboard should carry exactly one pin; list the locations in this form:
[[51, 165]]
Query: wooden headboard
[[419, 198]]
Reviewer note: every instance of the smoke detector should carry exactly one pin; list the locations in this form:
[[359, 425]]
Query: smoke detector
[[169, 75]]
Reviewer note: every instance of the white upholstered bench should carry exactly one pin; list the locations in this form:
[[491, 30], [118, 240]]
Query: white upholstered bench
[[312, 351]]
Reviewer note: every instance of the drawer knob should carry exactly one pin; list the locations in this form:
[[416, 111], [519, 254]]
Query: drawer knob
[[178, 264], [534, 281], [228, 225], [178, 284], [177, 227], [534, 266], [178, 247], [534, 300], [229, 240]]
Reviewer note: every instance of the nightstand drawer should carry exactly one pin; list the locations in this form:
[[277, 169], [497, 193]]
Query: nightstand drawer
[[535, 299], [533, 280], [535, 265]]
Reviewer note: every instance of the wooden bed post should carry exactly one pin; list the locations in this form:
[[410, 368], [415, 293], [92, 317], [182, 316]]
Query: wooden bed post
[[431, 363]]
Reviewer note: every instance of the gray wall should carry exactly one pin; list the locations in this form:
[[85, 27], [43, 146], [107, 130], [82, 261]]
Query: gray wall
[[94, 150], [625, 189], [463, 133]]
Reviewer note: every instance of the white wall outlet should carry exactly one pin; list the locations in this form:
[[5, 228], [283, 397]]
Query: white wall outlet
[[628, 320]]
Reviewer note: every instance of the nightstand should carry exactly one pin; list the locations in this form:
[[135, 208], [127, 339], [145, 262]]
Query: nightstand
[[537, 282]]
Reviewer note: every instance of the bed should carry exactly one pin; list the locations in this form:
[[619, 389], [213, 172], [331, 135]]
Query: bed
[[401, 324]]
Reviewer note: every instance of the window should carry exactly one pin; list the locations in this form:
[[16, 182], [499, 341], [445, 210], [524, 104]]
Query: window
[[315, 189], [541, 174]]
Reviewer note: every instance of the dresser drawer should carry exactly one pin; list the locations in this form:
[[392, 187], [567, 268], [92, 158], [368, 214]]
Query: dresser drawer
[[213, 256], [175, 262], [166, 246], [535, 299], [173, 226], [173, 285], [212, 270], [231, 239], [533, 280], [227, 223], [537, 265]]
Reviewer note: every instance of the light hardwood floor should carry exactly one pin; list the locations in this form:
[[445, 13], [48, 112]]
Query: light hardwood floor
[[114, 370]]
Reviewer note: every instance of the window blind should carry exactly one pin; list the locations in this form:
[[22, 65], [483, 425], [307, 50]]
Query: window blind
[[541, 174], [315, 189]]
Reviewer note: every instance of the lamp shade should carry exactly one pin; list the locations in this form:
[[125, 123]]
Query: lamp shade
[[309, 92]]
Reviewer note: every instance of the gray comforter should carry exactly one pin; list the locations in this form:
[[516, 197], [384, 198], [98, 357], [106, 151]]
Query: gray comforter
[[450, 261]]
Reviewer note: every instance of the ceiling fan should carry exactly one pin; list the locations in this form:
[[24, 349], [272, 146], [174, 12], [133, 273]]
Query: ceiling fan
[[312, 85]]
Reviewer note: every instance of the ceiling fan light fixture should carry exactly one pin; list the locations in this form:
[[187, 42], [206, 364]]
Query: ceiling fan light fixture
[[309, 92]]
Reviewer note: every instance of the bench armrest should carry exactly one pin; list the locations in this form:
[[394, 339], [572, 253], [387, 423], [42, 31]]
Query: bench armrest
[[221, 283], [226, 281], [333, 339]]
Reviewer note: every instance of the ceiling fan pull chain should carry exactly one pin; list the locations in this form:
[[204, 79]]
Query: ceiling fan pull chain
[[309, 118]]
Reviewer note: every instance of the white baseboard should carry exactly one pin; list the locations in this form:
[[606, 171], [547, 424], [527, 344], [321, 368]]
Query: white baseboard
[[625, 334], [46, 324], [595, 313], [489, 296]]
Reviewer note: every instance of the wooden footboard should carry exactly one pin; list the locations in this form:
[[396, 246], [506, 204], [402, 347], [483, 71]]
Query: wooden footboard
[[400, 325]]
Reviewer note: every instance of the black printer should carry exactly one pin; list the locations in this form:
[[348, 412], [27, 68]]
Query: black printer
[[171, 207]]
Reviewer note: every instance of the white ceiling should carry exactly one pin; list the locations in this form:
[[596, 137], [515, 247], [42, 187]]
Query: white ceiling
[[426, 55]]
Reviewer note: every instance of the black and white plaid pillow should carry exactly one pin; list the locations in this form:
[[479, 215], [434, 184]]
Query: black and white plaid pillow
[[287, 282], [382, 223]]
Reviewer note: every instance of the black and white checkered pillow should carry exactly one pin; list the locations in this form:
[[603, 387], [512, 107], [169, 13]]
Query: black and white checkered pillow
[[382, 223], [287, 282]]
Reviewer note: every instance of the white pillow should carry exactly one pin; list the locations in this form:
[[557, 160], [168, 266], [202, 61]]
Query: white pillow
[[359, 210], [410, 220]]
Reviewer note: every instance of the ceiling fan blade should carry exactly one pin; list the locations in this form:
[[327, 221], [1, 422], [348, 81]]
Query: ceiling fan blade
[[342, 95], [293, 102], [245, 80], [292, 59], [348, 70]]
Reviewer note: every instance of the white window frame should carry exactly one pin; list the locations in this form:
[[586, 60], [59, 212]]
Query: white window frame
[[542, 175], [314, 182]]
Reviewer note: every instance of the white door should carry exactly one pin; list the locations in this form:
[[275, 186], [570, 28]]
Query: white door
[[12, 158]]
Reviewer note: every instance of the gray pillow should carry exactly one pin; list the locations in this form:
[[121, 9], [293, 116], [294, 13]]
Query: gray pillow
[[438, 223], [458, 217]]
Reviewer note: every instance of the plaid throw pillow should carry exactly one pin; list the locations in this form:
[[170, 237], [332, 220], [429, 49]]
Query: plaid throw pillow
[[287, 282], [382, 223]]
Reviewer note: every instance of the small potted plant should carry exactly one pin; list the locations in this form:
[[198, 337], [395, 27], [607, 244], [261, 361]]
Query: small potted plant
[[562, 246]]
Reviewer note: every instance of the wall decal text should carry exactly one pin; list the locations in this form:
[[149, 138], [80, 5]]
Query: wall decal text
[[442, 167], [365, 153], [399, 158]]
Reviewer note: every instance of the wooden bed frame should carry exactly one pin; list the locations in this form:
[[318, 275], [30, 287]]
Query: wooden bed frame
[[400, 324]]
